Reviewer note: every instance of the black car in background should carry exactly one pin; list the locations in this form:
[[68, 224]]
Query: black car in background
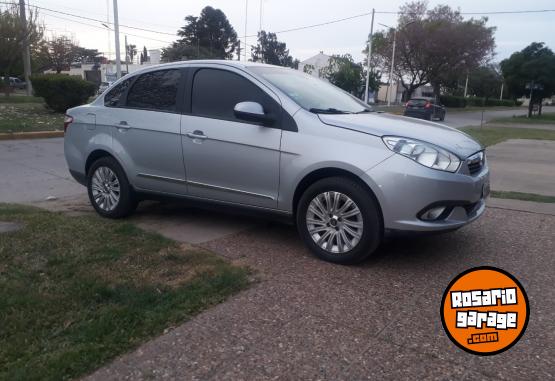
[[424, 108]]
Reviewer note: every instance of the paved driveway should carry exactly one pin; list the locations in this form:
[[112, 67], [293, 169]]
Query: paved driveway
[[305, 318]]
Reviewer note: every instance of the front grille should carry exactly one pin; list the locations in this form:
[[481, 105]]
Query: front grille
[[475, 163]]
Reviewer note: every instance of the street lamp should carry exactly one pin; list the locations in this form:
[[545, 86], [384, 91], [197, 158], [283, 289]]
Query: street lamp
[[390, 82]]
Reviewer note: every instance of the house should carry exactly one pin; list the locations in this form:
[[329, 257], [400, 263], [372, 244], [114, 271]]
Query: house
[[315, 65], [398, 93]]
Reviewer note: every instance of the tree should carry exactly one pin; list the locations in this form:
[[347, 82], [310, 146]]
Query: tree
[[530, 71], [131, 51], [485, 82], [12, 35], [144, 55], [60, 53], [269, 50], [84, 55], [433, 45], [344, 73], [208, 36]]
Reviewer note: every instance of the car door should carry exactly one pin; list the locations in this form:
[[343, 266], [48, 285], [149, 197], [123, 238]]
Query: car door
[[146, 131], [226, 158]]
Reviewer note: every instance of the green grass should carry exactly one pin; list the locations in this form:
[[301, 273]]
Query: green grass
[[26, 117], [492, 135], [20, 99], [75, 292], [523, 196], [545, 118]]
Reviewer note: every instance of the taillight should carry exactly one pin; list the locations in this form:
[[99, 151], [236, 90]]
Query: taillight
[[67, 121], [428, 105]]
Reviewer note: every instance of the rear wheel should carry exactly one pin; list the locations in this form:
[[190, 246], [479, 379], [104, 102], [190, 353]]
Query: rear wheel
[[339, 220], [109, 191]]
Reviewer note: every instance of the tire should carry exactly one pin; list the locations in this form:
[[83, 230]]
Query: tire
[[313, 228], [103, 178]]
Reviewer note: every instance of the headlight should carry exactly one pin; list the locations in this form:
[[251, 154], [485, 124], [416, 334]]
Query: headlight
[[423, 153]]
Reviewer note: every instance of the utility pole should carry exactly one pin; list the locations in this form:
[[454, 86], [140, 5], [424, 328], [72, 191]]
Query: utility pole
[[246, 19], [369, 57], [116, 32], [501, 95], [26, 52], [126, 56], [261, 5], [391, 70]]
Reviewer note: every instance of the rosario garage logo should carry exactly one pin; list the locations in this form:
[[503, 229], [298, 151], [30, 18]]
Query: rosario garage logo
[[485, 310]]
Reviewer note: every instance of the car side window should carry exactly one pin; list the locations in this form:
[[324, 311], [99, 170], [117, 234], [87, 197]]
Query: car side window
[[114, 96], [155, 91], [215, 93]]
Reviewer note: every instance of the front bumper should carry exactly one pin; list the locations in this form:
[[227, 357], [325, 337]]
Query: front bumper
[[405, 189]]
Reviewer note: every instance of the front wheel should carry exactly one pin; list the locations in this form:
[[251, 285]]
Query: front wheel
[[109, 191], [339, 220]]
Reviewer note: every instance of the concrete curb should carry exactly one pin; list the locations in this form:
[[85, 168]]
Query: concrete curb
[[31, 135]]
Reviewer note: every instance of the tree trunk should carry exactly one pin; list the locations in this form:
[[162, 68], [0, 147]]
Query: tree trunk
[[540, 108], [530, 108]]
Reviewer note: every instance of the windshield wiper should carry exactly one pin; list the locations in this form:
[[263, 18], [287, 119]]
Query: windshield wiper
[[330, 110], [365, 111]]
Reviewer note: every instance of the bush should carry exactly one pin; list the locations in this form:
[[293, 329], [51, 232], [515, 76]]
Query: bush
[[61, 92], [452, 101]]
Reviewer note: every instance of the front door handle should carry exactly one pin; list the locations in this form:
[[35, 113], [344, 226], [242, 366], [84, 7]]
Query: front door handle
[[123, 125], [197, 134]]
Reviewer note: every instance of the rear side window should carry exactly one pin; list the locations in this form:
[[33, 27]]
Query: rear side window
[[155, 91], [114, 98], [216, 92]]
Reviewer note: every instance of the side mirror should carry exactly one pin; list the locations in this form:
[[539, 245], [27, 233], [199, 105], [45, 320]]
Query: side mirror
[[252, 112]]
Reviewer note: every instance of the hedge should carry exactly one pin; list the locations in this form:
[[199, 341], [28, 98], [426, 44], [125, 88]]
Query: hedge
[[454, 101], [61, 92]]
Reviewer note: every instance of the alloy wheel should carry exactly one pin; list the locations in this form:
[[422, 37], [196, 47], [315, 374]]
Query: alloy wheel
[[105, 189], [334, 222]]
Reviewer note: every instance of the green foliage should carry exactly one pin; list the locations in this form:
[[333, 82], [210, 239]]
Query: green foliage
[[535, 63], [271, 51], [452, 101], [11, 62], [61, 92], [343, 72], [208, 36]]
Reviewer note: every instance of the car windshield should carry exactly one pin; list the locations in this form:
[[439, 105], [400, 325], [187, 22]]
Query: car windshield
[[311, 93]]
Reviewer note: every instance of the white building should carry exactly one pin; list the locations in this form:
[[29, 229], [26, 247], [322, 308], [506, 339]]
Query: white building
[[315, 65], [397, 90], [108, 70]]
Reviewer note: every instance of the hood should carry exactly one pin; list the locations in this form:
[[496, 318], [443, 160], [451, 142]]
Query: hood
[[381, 124]]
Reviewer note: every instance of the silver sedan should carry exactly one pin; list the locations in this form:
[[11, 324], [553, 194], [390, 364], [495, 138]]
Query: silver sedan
[[279, 142]]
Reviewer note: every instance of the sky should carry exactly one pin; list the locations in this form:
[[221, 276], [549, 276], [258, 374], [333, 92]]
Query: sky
[[514, 31]]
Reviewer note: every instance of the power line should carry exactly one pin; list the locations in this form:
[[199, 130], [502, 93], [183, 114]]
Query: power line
[[103, 28], [290, 29], [97, 20]]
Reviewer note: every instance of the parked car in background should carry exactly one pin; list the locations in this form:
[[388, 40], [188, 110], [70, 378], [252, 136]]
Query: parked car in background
[[425, 108], [104, 86], [16, 83], [277, 141]]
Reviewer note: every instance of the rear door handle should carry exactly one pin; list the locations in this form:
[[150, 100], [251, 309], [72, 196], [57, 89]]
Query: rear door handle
[[123, 125], [197, 134]]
